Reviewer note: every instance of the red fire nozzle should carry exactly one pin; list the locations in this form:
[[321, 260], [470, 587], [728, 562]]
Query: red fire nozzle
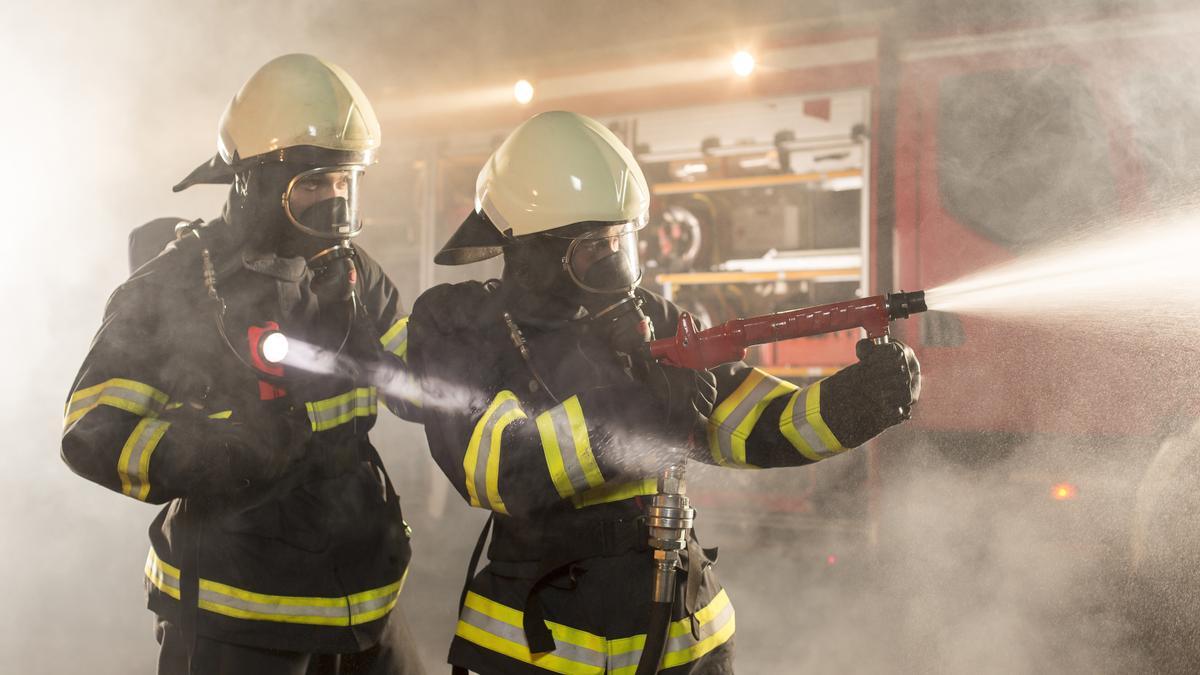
[[697, 349]]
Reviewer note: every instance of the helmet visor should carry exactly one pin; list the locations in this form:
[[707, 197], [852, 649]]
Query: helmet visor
[[605, 260], [324, 202]]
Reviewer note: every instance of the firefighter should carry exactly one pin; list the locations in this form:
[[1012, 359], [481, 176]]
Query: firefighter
[[538, 410], [281, 548]]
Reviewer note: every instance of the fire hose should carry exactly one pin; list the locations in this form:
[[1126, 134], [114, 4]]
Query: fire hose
[[669, 515]]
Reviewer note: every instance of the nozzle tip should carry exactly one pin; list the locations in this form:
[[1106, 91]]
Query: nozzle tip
[[901, 305]]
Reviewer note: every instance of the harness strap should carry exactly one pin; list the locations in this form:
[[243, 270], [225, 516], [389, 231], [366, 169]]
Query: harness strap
[[471, 567], [189, 578], [604, 539]]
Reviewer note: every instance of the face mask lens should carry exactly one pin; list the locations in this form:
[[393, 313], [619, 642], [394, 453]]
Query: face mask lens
[[605, 264], [324, 202]]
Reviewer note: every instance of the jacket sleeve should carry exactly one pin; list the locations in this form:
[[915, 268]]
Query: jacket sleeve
[[761, 421], [382, 302], [125, 424], [508, 455]]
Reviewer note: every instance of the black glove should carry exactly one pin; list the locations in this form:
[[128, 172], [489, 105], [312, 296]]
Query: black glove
[[879, 391], [686, 397], [257, 446], [893, 369]]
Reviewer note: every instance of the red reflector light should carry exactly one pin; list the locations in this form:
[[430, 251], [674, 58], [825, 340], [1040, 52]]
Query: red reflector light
[[831, 559], [1064, 491]]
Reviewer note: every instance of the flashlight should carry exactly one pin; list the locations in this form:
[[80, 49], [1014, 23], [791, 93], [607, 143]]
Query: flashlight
[[273, 348], [268, 347]]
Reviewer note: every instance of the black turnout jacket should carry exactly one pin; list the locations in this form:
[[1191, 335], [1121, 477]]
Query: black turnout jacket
[[567, 587], [313, 561]]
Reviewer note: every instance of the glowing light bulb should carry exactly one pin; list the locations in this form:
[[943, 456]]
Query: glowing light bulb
[[523, 91], [1063, 492], [275, 347], [743, 63]]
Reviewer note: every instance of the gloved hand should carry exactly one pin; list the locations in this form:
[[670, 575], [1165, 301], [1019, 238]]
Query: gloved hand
[[892, 374], [686, 397], [867, 397], [256, 446], [269, 440]]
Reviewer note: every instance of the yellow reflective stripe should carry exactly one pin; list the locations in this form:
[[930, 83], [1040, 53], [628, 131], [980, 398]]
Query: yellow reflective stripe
[[164, 577], [390, 594], [499, 628], [219, 415], [133, 465], [554, 462], [805, 428], [568, 448], [732, 421], [615, 492], [332, 412], [219, 598], [483, 474], [128, 395], [789, 430], [716, 625], [583, 444], [395, 340], [813, 414], [515, 617], [493, 460]]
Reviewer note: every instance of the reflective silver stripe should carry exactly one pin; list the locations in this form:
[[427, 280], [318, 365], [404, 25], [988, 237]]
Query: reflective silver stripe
[[211, 598], [164, 577], [335, 411], [566, 445], [396, 339], [728, 426], [242, 604], [686, 641], [804, 429], [678, 643], [485, 452], [376, 603], [516, 635], [802, 425], [134, 467], [129, 395]]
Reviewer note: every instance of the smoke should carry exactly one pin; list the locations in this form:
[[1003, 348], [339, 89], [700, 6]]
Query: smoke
[[970, 564], [974, 568]]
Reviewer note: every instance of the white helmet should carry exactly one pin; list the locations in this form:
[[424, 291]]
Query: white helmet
[[298, 101], [299, 109], [559, 173]]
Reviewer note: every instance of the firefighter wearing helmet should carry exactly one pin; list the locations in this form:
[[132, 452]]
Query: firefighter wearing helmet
[[281, 548], [539, 409]]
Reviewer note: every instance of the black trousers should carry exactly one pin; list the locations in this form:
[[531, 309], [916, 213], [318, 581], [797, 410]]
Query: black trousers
[[396, 654]]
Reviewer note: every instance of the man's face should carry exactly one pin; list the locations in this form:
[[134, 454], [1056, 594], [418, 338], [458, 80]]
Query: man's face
[[323, 202], [605, 262], [317, 188]]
